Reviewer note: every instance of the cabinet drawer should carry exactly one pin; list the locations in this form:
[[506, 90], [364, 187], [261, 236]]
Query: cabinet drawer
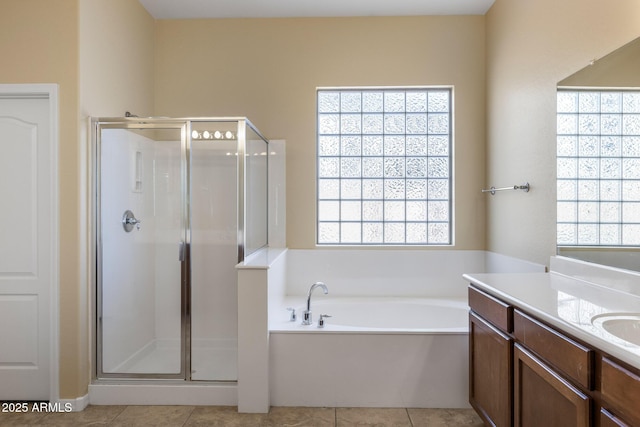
[[574, 360], [500, 314], [620, 388]]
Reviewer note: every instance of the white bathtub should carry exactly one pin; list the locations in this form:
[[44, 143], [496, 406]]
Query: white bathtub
[[381, 351], [373, 353]]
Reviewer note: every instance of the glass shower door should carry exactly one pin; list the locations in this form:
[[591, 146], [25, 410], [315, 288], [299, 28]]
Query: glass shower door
[[141, 243]]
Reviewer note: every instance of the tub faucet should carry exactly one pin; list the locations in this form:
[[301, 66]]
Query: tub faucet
[[306, 315]]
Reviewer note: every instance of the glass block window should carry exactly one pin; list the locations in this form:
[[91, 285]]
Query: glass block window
[[384, 166], [598, 168]]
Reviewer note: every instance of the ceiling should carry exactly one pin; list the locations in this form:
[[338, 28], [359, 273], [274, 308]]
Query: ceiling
[[188, 9]]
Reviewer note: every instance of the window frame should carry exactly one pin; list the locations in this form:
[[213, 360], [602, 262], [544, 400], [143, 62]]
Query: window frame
[[361, 221]]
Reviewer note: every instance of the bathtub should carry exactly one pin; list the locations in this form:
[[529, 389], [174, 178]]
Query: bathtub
[[372, 352], [398, 336]]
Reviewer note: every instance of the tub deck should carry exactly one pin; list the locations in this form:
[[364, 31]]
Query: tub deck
[[374, 315]]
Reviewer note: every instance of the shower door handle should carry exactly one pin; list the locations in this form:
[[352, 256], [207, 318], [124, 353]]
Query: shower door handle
[[181, 256]]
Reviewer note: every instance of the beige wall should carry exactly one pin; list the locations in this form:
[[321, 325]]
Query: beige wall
[[617, 69], [116, 75], [39, 44], [60, 41], [531, 46], [268, 70], [116, 58]]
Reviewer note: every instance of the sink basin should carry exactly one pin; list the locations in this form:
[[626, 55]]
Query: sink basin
[[625, 326]]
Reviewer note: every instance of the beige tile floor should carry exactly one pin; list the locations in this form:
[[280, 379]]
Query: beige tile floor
[[228, 416]]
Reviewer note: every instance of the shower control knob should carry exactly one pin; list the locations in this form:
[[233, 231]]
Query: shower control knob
[[129, 220]]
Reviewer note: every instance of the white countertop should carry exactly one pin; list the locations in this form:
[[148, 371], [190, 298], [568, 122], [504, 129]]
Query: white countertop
[[568, 304]]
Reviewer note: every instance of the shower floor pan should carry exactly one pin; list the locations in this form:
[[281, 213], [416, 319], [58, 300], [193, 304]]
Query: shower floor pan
[[210, 361]]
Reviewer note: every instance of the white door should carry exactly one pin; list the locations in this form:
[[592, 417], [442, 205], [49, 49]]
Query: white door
[[28, 246]]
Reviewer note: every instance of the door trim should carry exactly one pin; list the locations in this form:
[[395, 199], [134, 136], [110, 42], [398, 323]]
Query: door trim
[[48, 91]]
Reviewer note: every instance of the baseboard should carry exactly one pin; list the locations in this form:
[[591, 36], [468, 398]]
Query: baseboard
[[77, 405]]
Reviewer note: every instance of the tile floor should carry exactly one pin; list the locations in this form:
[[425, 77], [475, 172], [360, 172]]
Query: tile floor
[[228, 416]]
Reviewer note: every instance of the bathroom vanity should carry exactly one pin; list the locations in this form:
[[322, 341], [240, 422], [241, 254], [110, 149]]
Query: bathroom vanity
[[548, 349]]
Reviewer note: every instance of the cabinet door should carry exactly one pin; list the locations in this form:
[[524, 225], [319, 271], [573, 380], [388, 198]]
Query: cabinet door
[[607, 419], [490, 367], [543, 398]]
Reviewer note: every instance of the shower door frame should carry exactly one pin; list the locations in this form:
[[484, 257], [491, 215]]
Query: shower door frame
[[185, 125], [185, 289]]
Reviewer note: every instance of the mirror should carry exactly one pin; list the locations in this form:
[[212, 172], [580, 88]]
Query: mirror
[[617, 75]]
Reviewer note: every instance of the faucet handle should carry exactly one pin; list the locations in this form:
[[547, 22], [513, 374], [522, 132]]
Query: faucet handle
[[321, 320], [292, 317]]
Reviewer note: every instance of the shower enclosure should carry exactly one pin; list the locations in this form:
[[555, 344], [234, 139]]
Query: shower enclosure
[[178, 203]]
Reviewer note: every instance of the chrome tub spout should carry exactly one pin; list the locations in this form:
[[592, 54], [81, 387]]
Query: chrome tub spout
[[306, 315]]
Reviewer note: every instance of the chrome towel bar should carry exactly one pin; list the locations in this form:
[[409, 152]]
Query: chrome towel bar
[[492, 190]]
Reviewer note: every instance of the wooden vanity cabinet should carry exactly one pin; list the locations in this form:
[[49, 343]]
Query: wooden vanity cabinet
[[524, 373]]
